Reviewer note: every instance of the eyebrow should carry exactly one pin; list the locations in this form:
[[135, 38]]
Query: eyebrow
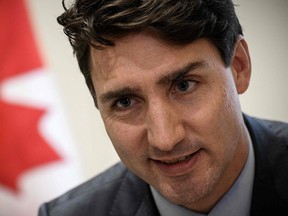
[[174, 75], [180, 73]]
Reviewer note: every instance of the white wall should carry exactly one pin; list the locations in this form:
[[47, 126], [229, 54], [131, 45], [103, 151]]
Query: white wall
[[265, 24], [265, 27]]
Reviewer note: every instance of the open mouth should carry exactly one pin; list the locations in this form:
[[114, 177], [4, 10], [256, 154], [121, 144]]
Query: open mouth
[[178, 166], [185, 158]]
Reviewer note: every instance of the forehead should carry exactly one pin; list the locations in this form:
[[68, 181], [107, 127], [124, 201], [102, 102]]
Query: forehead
[[142, 56], [142, 50]]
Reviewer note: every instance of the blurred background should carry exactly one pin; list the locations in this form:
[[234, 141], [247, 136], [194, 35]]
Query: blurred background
[[51, 135]]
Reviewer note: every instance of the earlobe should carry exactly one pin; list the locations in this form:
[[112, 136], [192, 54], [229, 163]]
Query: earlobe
[[241, 65]]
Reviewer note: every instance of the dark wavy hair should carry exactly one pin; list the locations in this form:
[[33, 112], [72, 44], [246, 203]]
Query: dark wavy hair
[[98, 23]]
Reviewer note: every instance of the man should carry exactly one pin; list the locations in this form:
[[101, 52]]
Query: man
[[165, 76]]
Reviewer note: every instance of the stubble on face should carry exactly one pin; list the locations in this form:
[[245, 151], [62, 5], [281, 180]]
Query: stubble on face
[[210, 116]]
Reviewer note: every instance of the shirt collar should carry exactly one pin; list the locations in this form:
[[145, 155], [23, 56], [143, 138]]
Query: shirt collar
[[236, 202]]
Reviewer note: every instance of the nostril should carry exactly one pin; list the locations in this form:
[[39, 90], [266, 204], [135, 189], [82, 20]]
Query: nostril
[[166, 139]]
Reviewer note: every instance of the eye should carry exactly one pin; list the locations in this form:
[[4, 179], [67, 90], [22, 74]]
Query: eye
[[185, 85], [124, 102]]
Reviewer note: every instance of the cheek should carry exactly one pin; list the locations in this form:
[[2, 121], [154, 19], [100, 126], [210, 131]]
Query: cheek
[[225, 124], [126, 139], [222, 106], [216, 119]]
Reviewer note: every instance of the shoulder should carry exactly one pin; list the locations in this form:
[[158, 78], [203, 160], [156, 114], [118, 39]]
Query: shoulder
[[280, 129], [270, 142], [262, 129], [96, 193], [102, 182]]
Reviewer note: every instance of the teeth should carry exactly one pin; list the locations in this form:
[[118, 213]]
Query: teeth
[[177, 160]]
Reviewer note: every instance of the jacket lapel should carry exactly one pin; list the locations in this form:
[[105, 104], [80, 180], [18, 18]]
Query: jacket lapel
[[147, 206], [133, 198], [270, 165]]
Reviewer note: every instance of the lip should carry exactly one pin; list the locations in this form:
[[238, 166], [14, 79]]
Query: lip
[[179, 168]]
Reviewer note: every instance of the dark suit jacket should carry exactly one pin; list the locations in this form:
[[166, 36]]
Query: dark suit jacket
[[118, 192]]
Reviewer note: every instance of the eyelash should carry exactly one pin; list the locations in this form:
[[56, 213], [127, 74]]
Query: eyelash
[[173, 86], [114, 104], [184, 79]]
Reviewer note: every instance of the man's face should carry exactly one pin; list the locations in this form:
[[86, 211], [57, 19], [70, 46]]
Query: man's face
[[173, 115]]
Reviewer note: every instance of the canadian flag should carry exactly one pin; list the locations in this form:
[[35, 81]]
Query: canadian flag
[[37, 160]]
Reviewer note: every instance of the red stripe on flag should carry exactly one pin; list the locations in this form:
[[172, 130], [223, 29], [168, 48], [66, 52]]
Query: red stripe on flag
[[21, 145], [18, 50]]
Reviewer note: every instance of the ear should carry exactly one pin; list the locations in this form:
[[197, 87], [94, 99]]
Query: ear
[[241, 65]]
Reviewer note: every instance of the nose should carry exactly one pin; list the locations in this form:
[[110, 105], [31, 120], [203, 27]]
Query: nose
[[165, 128]]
